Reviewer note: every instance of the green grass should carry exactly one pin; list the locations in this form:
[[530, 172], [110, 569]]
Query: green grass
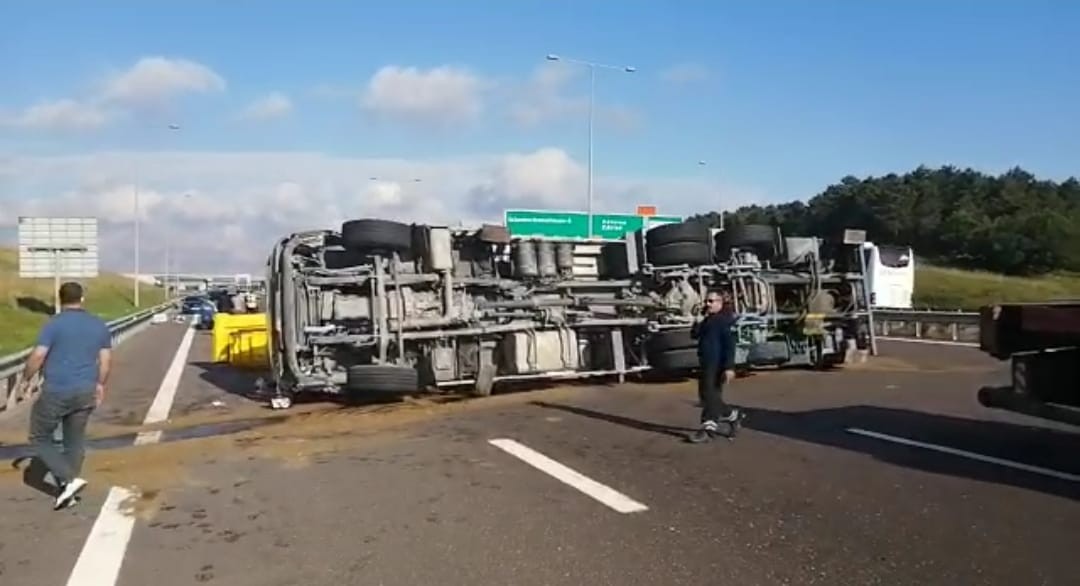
[[942, 288], [25, 303]]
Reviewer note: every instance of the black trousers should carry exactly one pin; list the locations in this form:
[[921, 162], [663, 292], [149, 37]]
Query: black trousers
[[711, 392]]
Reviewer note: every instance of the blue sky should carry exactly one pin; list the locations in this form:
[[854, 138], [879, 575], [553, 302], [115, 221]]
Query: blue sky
[[781, 98]]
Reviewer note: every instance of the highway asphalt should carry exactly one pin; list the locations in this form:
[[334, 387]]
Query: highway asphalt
[[580, 484]]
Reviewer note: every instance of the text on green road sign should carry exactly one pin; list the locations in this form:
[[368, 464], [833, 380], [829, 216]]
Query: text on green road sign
[[575, 225]]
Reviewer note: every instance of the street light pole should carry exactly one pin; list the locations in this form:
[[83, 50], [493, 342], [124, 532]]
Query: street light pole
[[592, 106], [138, 277], [593, 66], [136, 210], [414, 180], [393, 180], [170, 262]]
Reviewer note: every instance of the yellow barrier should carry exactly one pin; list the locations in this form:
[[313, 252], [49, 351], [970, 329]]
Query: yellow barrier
[[240, 339]]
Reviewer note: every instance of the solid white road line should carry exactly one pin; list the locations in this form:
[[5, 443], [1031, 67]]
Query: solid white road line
[[600, 492], [925, 341], [166, 393], [965, 454], [102, 555]]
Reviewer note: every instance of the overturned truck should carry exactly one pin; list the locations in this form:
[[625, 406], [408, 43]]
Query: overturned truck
[[387, 307]]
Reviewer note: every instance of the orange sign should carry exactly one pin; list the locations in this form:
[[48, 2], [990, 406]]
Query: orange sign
[[646, 210]]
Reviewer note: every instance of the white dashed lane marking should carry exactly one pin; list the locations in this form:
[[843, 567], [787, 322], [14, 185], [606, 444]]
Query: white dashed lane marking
[[605, 494]]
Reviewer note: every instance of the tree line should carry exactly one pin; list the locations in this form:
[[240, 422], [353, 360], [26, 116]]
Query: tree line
[[1012, 223]]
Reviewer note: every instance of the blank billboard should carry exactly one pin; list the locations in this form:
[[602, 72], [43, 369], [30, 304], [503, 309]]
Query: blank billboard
[[48, 242]]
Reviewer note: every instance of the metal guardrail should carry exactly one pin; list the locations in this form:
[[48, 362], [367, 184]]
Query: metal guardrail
[[938, 325], [14, 394]]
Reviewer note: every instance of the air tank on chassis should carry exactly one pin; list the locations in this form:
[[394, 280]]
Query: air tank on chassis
[[382, 307]]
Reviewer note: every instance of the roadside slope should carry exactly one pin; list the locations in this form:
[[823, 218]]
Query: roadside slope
[[25, 304], [945, 288]]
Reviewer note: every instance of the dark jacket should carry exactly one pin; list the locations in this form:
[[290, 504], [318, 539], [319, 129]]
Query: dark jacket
[[716, 340]]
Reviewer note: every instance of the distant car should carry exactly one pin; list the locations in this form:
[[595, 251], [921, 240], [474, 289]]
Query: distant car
[[194, 304]]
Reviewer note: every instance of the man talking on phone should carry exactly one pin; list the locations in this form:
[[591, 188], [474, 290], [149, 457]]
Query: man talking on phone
[[716, 354]]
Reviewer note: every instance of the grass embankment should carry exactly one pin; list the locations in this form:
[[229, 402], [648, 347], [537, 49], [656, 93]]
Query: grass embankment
[[25, 304], [942, 288]]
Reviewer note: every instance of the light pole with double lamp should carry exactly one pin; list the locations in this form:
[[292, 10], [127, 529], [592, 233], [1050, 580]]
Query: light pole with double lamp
[[592, 66]]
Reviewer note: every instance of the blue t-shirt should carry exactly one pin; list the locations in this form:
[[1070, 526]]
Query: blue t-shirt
[[74, 338]]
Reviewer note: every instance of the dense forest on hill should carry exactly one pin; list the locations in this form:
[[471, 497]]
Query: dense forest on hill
[[1012, 223]]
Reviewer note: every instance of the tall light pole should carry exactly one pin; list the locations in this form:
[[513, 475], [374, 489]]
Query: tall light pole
[[592, 66], [136, 219], [169, 262], [400, 182], [172, 128], [414, 180], [721, 210]]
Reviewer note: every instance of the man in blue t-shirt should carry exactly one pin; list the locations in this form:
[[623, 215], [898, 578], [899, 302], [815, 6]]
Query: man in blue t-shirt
[[73, 351]]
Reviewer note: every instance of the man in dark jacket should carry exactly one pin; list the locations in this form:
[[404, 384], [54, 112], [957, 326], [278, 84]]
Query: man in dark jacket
[[716, 353]]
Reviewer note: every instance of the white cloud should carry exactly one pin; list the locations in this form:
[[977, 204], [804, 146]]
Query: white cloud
[[546, 97], [685, 73], [438, 96], [223, 211], [542, 97], [270, 106], [59, 115], [154, 80], [150, 82], [547, 178]]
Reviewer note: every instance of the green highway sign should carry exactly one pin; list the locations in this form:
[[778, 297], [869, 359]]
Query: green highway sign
[[575, 225], [525, 223]]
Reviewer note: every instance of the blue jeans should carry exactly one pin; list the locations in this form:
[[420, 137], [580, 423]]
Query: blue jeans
[[72, 412]]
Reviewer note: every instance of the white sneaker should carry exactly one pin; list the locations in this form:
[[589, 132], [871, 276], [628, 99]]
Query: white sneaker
[[68, 492]]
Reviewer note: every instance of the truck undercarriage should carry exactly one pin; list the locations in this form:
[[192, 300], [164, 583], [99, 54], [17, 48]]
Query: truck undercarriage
[[385, 307]]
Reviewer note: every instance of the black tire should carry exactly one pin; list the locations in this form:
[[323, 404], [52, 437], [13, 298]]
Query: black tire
[[343, 259], [685, 359], [670, 340], [760, 237], [683, 232], [377, 235], [381, 378], [679, 253]]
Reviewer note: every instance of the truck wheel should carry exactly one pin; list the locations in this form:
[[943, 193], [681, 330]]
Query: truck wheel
[[683, 359], [680, 253], [377, 235], [381, 378], [682, 232], [756, 236], [343, 259], [670, 340]]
